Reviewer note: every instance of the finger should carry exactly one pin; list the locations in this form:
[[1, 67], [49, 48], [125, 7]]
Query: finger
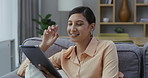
[[48, 75], [44, 69], [44, 32], [49, 29], [44, 73], [53, 30], [56, 32], [52, 27], [56, 35], [56, 28]]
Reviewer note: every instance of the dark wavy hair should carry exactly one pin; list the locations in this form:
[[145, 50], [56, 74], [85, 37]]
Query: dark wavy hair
[[86, 12]]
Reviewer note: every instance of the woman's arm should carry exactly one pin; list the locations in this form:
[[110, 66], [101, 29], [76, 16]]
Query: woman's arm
[[110, 62], [49, 37]]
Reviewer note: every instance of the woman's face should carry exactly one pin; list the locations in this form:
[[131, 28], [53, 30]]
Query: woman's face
[[78, 28]]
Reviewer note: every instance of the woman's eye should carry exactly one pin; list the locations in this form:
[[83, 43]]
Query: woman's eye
[[69, 24], [79, 24]]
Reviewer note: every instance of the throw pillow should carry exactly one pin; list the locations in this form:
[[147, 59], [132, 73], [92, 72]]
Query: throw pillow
[[33, 72]]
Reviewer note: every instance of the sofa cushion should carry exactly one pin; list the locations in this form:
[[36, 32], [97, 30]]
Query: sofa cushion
[[129, 60], [145, 61], [33, 72], [61, 43]]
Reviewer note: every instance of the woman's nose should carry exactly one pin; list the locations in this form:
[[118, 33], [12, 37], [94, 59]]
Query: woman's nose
[[73, 28]]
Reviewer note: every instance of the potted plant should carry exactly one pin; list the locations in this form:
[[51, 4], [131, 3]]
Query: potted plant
[[44, 22], [119, 30]]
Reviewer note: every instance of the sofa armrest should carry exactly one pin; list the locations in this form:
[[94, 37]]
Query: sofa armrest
[[60, 43]]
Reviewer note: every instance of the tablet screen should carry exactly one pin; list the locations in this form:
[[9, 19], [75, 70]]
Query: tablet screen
[[36, 56]]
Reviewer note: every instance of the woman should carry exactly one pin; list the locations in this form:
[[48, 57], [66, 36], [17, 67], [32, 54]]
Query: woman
[[89, 58]]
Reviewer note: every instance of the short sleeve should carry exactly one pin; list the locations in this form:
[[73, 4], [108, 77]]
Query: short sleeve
[[56, 59], [110, 61]]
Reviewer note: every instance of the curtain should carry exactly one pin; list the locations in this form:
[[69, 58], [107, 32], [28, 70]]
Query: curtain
[[28, 9]]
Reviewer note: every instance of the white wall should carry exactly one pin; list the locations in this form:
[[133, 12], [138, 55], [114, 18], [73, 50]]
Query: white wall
[[51, 6], [15, 28], [9, 22], [6, 17]]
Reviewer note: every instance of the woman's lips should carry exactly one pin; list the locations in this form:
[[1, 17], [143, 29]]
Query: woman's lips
[[74, 35]]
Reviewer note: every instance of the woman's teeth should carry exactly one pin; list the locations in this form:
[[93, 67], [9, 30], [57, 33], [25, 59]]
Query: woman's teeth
[[73, 35]]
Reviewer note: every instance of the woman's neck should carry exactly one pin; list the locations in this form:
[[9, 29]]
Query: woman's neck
[[81, 46]]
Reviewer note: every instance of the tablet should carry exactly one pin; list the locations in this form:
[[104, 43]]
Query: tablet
[[36, 56]]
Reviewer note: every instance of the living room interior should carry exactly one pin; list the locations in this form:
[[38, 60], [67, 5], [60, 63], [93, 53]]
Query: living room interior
[[16, 23]]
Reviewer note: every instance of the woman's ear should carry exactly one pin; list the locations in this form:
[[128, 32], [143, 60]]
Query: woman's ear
[[92, 26]]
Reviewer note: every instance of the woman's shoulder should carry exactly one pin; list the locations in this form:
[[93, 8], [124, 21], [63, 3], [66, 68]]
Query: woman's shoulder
[[64, 52], [106, 42], [68, 52]]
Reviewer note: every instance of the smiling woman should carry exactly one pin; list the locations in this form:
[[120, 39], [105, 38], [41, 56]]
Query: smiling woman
[[88, 51]]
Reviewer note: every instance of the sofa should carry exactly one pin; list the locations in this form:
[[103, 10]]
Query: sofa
[[145, 61], [133, 60]]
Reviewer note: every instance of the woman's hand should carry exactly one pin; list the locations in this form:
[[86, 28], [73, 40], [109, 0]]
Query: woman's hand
[[45, 72], [49, 37]]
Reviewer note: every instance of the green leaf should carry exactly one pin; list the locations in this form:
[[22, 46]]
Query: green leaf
[[43, 21], [40, 16], [35, 20], [40, 32], [47, 16], [44, 26], [51, 23]]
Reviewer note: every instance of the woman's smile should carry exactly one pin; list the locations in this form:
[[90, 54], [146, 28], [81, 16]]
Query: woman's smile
[[74, 35]]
